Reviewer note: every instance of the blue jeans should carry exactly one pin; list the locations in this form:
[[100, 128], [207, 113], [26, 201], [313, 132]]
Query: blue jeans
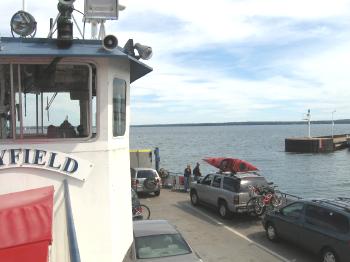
[[186, 183]]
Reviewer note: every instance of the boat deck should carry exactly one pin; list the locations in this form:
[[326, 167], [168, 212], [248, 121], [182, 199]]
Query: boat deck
[[241, 238]]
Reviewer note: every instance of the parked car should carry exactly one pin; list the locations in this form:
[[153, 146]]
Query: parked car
[[321, 226], [227, 192], [145, 180], [158, 240]]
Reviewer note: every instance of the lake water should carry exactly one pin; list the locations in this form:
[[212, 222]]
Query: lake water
[[308, 175]]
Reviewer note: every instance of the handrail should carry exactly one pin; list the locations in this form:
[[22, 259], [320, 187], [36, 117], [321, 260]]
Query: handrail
[[72, 237], [285, 195]]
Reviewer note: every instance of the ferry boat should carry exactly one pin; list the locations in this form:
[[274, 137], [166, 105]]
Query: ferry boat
[[64, 129]]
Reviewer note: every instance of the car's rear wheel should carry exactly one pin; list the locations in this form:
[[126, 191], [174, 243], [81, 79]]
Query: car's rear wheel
[[271, 232], [328, 255], [224, 212], [194, 198]]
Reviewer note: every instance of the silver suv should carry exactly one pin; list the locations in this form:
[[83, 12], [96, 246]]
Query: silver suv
[[145, 180], [228, 192]]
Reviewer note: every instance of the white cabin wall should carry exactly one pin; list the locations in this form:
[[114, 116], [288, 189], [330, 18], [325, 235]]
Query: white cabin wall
[[119, 168]]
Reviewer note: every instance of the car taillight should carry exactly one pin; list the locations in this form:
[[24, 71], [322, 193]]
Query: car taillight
[[236, 199]]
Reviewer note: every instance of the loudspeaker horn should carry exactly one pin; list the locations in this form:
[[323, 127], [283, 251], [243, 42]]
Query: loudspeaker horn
[[145, 52], [109, 42]]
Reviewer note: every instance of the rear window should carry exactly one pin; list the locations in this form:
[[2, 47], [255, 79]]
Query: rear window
[[252, 181], [146, 174], [326, 218], [156, 246]]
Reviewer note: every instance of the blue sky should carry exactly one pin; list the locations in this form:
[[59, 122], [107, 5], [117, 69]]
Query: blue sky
[[229, 60]]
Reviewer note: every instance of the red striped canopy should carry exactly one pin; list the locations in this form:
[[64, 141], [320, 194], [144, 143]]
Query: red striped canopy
[[26, 225], [230, 164]]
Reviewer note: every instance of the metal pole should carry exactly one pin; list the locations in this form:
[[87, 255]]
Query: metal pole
[[309, 121], [37, 113], [333, 123], [20, 102], [94, 29], [13, 102], [23, 5], [51, 27], [42, 112], [72, 236], [76, 24]]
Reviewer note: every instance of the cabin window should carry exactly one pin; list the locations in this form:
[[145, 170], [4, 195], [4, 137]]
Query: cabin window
[[119, 107], [47, 101]]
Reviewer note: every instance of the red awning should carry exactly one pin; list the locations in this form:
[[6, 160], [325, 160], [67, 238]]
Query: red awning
[[26, 225]]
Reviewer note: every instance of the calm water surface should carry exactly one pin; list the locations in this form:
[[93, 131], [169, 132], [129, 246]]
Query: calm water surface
[[309, 175]]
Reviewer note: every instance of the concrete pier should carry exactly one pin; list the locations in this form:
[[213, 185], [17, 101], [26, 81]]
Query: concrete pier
[[322, 144]]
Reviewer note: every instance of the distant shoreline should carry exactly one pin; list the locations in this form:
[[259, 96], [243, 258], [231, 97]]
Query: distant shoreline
[[250, 123]]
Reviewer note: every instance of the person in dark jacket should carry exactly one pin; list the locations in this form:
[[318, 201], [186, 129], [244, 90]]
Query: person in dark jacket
[[196, 172], [187, 177]]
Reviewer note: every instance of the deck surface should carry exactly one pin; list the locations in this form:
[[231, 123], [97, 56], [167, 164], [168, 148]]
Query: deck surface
[[241, 238]]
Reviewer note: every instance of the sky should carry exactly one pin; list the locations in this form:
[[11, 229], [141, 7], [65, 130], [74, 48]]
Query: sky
[[229, 60]]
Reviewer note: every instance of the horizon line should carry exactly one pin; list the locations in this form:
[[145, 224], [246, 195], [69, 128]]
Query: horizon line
[[339, 121]]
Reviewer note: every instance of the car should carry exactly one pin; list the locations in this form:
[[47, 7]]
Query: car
[[321, 226], [227, 192], [145, 180], [158, 240]]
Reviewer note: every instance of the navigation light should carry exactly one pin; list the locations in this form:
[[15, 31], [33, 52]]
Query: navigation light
[[23, 24]]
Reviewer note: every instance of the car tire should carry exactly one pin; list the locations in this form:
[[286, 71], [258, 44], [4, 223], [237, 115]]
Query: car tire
[[224, 212], [157, 193], [328, 255], [271, 232], [194, 198], [150, 184]]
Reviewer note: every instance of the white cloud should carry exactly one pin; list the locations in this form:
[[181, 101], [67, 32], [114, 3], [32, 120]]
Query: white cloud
[[299, 77]]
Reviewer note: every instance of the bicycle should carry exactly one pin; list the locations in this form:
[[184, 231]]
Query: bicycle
[[141, 212], [264, 198]]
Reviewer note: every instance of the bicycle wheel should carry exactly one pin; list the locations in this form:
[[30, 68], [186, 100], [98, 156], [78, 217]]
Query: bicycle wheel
[[146, 212], [260, 207], [256, 205], [277, 199]]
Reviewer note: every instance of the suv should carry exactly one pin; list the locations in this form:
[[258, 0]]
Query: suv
[[321, 226], [145, 180], [228, 192]]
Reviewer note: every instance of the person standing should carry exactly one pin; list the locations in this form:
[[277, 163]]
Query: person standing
[[187, 177], [196, 172]]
